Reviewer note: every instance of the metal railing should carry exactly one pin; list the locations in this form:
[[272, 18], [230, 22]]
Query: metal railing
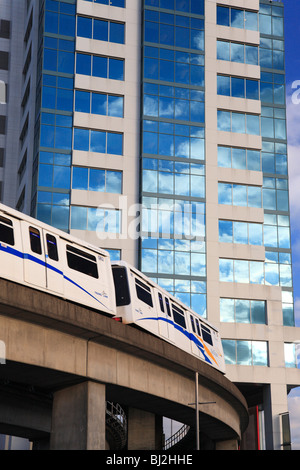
[[116, 421], [175, 438]]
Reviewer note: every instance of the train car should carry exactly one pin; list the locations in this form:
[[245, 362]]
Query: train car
[[37, 255], [142, 303]]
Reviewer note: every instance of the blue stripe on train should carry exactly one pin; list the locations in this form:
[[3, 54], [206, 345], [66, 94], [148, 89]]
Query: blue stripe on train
[[19, 254], [190, 336]]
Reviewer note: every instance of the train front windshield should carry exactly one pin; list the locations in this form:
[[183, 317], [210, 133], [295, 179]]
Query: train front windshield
[[121, 285]]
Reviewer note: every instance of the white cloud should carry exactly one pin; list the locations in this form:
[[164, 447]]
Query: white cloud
[[293, 130]]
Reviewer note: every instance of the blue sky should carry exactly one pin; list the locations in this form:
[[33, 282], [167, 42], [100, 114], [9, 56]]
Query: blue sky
[[292, 31]]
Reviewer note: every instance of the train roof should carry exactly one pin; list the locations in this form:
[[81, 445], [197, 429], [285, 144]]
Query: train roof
[[60, 233]]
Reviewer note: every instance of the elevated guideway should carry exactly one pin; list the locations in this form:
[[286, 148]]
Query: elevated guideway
[[64, 362]]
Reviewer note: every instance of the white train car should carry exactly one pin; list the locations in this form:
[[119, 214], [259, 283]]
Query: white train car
[[37, 255], [143, 303]]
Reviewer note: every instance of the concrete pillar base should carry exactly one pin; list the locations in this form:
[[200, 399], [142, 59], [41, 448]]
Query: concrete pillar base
[[78, 418], [144, 430]]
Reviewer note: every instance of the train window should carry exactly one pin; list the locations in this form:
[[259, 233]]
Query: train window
[[178, 315], [6, 231], [192, 323], [143, 292], [168, 306], [52, 247], [198, 327], [206, 335], [82, 261], [121, 286], [161, 302], [35, 240]]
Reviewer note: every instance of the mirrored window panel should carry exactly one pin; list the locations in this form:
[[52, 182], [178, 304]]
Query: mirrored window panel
[[174, 217], [274, 271], [174, 30], [99, 103], [95, 219], [175, 66], [239, 158], [241, 123], [167, 102], [237, 52], [113, 3], [173, 140], [237, 18], [185, 6], [246, 353], [291, 355], [100, 66], [239, 195], [169, 177], [237, 87], [90, 140], [243, 311], [271, 20], [245, 233], [100, 29], [95, 179]]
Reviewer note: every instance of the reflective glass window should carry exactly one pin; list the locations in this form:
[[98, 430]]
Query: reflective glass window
[[225, 231], [245, 352], [251, 20], [239, 159], [100, 30], [80, 178], [238, 123], [83, 64], [226, 270], [238, 87], [223, 16], [84, 27], [223, 50], [243, 311], [223, 85], [237, 18], [237, 52]]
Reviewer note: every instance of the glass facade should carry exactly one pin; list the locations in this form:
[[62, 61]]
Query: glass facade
[[173, 157], [54, 113], [173, 160], [55, 134], [274, 153], [274, 233]]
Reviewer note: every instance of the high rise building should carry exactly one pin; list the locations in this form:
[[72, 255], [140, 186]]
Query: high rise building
[[157, 129]]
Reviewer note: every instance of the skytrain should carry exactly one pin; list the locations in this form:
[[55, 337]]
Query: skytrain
[[37, 255]]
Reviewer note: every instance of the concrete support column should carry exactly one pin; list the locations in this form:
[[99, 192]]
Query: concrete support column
[[144, 430], [275, 403], [78, 418]]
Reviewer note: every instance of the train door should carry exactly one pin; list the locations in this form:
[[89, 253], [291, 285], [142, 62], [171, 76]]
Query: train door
[[34, 255], [144, 311], [196, 335], [171, 320], [163, 317], [11, 252], [83, 278], [54, 266], [167, 328]]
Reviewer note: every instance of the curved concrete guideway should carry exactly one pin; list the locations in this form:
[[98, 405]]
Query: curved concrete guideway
[[84, 358]]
